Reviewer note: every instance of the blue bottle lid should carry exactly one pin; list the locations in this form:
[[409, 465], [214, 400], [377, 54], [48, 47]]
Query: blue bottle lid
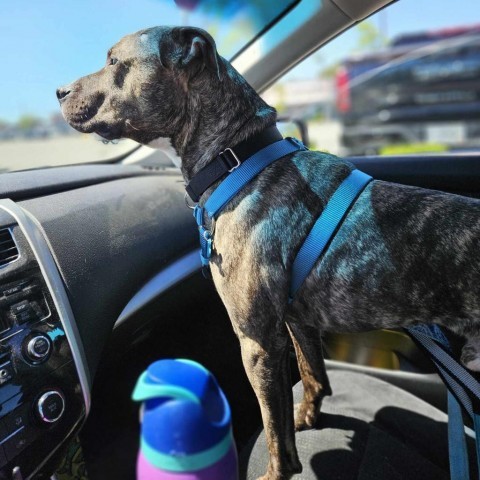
[[185, 416]]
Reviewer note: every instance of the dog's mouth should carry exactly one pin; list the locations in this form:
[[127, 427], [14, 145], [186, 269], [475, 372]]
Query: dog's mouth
[[108, 132], [78, 113], [83, 118]]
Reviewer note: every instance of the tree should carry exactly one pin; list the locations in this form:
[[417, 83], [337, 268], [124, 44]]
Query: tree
[[330, 71], [369, 37], [27, 122]]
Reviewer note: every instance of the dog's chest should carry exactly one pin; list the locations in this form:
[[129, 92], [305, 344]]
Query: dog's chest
[[258, 235]]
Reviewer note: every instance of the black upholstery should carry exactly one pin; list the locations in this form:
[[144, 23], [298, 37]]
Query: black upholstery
[[369, 430]]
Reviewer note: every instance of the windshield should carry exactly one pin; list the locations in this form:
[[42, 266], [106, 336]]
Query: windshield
[[49, 44]]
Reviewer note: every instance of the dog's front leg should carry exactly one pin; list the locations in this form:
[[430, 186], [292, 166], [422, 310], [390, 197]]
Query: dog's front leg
[[267, 367], [308, 349]]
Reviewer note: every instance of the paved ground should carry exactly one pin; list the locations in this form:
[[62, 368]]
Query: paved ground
[[325, 136], [25, 154]]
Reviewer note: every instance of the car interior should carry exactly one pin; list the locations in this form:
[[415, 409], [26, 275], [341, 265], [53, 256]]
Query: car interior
[[100, 276]]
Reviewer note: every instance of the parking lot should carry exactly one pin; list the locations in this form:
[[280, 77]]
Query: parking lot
[[25, 154]]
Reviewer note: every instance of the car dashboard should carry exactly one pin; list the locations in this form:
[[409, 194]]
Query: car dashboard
[[45, 392], [75, 244]]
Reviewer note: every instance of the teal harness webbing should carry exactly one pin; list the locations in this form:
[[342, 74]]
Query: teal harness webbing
[[326, 225]]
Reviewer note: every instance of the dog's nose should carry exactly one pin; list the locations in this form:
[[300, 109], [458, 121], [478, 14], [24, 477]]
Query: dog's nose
[[62, 93]]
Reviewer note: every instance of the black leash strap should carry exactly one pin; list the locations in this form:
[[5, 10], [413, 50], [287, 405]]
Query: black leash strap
[[229, 160]]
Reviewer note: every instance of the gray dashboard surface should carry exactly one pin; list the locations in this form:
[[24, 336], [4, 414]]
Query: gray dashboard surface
[[108, 240], [34, 183]]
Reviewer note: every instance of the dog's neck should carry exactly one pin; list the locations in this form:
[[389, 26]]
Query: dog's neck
[[215, 122]]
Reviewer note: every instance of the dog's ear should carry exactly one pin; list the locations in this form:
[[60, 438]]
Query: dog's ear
[[197, 50]]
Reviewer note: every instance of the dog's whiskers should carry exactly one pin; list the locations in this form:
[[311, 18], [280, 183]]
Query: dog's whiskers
[[128, 122]]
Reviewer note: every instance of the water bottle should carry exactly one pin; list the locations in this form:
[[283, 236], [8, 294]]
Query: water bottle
[[186, 431]]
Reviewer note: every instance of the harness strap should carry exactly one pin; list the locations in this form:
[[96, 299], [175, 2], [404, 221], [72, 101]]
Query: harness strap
[[228, 160], [326, 225], [476, 425], [231, 185], [247, 171]]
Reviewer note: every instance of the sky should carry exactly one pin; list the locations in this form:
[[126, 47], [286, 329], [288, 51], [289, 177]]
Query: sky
[[48, 43]]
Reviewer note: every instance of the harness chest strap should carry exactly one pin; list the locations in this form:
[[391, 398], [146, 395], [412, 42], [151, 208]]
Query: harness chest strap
[[325, 227], [233, 183]]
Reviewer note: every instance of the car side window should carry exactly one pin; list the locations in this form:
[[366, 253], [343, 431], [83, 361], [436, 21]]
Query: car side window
[[397, 83]]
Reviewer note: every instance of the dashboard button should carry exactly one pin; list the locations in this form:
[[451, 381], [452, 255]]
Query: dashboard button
[[50, 406], [22, 311], [25, 316], [18, 418], [6, 372], [18, 442], [31, 289], [20, 307], [13, 289], [37, 348]]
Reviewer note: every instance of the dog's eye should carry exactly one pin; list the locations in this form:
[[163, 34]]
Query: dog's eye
[[112, 61]]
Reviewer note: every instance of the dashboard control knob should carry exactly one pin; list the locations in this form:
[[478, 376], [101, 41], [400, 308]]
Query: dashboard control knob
[[38, 348], [50, 406]]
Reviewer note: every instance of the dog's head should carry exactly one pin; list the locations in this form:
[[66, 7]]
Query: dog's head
[[142, 91]]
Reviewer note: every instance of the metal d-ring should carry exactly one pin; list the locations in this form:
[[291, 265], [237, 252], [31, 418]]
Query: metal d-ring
[[208, 234], [186, 197]]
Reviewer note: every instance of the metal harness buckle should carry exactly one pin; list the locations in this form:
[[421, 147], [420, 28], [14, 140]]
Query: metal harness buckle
[[223, 155]]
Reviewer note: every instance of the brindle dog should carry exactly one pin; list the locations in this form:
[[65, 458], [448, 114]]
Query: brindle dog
[[403, 255]]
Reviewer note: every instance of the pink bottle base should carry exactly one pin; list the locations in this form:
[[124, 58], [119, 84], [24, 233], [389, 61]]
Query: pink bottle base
[[225, 469]]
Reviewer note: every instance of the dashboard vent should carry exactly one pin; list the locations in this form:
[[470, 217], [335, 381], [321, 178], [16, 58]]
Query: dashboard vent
[[8, 248]]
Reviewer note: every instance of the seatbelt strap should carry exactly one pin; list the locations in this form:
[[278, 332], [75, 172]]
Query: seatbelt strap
[[476, 424], [457, 445], [441, 355], [462, 389]]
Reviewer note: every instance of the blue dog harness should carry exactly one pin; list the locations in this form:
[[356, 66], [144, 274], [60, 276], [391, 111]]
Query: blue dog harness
[[463, 387], [233, 183]]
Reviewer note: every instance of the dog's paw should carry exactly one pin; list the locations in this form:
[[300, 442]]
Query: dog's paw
[[471, 356], [285, 473], [305, 416]]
